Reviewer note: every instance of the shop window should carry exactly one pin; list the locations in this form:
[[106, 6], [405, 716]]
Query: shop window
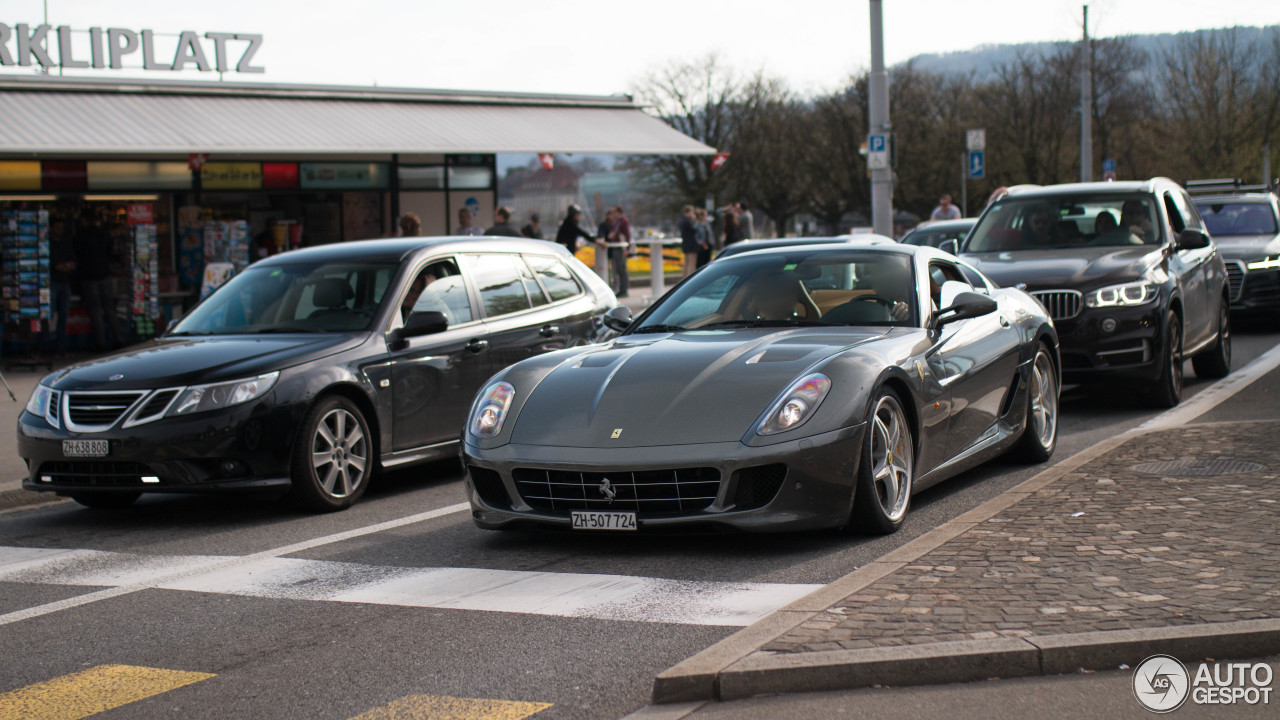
[[421, 178], [470, 178]]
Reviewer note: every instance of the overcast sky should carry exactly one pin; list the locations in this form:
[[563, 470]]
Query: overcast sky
[[592, 47]]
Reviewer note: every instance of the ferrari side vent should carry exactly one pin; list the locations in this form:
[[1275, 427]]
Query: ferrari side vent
[[758, 485], [489, 487]]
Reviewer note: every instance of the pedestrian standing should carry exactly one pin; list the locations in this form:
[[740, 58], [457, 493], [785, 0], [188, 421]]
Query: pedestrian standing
[[410, 225], [704, 235], [97, 286], [62, 269], [502, 223], [465, 226], [620, 249], [571, 231], [533, 230], [746, 221], [732, 231], [945, 210], [687, 225]]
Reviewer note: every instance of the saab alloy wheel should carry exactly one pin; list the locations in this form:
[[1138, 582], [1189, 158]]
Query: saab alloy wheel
[[332, 458], [885, 474]]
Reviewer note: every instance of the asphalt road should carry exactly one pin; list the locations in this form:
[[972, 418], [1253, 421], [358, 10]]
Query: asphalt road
[[361, 618]]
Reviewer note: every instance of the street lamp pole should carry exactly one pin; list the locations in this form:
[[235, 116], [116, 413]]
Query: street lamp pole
[[881, 177]]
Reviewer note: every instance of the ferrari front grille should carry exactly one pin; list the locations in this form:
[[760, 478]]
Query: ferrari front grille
[[646, 492]]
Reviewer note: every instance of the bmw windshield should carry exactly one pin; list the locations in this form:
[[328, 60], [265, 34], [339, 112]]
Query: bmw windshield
[[1039, 223], [293, 298], [771, 289]]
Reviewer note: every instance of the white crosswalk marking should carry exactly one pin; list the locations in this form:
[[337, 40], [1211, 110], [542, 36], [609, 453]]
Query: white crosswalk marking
[[607, 597]]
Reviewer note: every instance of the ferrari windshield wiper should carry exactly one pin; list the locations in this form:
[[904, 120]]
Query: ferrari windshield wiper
[[659, 328]]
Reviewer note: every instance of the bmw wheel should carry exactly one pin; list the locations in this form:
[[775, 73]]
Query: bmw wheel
[[1041, 433], [883, 491], [1216, 361], [1166, 391], [332, 458]]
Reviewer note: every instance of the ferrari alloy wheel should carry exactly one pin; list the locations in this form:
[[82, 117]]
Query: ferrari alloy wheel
[[331, 459], [1041, 433], [885, 475]]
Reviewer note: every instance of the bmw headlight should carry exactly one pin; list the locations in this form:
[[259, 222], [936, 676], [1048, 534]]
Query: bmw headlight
[[39, 402], [202, 398], [796, 405], [1126, 295], [1266, 263], [491, 410]]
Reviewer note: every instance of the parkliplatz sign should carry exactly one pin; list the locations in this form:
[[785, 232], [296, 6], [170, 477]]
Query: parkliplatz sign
[[23, 44]]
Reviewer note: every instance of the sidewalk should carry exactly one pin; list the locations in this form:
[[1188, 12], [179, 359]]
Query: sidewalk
[[1159, 541], [22, 380]]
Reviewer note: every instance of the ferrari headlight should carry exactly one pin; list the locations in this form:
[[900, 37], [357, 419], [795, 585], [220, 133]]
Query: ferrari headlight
[[39, 402], [797, 405], [202, 398], [1266, 263], [1126, 295], [491, 410]]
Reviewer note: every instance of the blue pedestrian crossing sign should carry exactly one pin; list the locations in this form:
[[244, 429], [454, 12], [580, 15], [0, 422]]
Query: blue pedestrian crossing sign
[[977, 165]]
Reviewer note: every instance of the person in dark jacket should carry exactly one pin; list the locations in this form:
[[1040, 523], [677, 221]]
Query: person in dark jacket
[[62, 270], [533, 230], [570, 230], [502, 223], [97, 287], [732, 230], [688, 239]]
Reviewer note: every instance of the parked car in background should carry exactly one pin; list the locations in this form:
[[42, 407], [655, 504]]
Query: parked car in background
[[768, 243], [792, 388], [1128, 272], [1246, 229], [934, 233], [309, 371]]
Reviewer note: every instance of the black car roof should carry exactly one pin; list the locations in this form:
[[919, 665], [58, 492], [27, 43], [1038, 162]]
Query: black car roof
[[396, 249]]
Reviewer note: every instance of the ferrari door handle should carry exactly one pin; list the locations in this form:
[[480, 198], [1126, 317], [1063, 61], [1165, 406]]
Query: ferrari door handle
[[1004, 321], [476, 345], [549, 330]]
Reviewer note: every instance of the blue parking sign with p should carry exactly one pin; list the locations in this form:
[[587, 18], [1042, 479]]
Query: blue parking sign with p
[[876, 143], [977, 165]]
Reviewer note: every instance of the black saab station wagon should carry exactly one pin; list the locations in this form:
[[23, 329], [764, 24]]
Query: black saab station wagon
[[1127, 270], [309, 371]]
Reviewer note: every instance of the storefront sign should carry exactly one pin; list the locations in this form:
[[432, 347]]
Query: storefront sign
[[231, 176], [139, 214], [99, 49], [343, 176], [20, 175]]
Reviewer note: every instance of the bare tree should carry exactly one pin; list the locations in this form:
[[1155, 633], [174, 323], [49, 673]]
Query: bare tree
[[833, 129], [1208, 86], [768, 152]]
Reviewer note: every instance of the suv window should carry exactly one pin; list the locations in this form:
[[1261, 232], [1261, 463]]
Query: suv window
[[1035, 223], [1238, 218], [501, 289], [554, 276]]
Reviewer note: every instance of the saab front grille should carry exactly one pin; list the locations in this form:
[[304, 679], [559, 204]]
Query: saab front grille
[[489, 487], [95, 473], [97, 410], [1060, 304], [1235, 279], [646, 492], [758, 485]]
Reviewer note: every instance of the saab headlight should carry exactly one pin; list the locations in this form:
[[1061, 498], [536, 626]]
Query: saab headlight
[[796, 405], [1126, 295], [1266, 263], [491, 410], [40, 399], [216, 396]]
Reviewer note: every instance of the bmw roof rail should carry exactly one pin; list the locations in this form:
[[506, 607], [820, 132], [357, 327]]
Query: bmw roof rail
[[1223, 186]]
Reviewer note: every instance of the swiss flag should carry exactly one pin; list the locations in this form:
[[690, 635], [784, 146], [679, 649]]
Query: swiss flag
[[718, 160], [548, 160], [195, 161]]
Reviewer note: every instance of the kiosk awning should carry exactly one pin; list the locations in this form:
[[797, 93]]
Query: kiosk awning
[[87, 118]]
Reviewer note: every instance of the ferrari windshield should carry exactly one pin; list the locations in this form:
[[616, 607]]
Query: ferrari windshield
[[817, 287], [1036, 223], [302, 297]]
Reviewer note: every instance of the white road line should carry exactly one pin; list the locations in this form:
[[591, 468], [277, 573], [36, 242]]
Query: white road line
[[580, 595], [1214, 395], [190, 568]]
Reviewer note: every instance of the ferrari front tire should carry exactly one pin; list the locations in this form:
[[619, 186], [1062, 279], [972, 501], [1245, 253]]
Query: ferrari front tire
[[1040, 434], [882, 493]]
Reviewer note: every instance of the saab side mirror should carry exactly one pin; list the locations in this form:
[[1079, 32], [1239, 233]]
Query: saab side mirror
[[427, 322], [966, 305], [1192, 239], [618, 319], [950, 246]]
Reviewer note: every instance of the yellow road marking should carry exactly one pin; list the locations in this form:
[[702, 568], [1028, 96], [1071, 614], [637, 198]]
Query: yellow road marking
[[84, 693], [443, 707]]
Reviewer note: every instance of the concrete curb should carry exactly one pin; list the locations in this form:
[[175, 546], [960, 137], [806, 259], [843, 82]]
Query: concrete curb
[[20, 498], [730, 668]]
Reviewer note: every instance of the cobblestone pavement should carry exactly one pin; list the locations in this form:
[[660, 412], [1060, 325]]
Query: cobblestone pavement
[[1109, 547]]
